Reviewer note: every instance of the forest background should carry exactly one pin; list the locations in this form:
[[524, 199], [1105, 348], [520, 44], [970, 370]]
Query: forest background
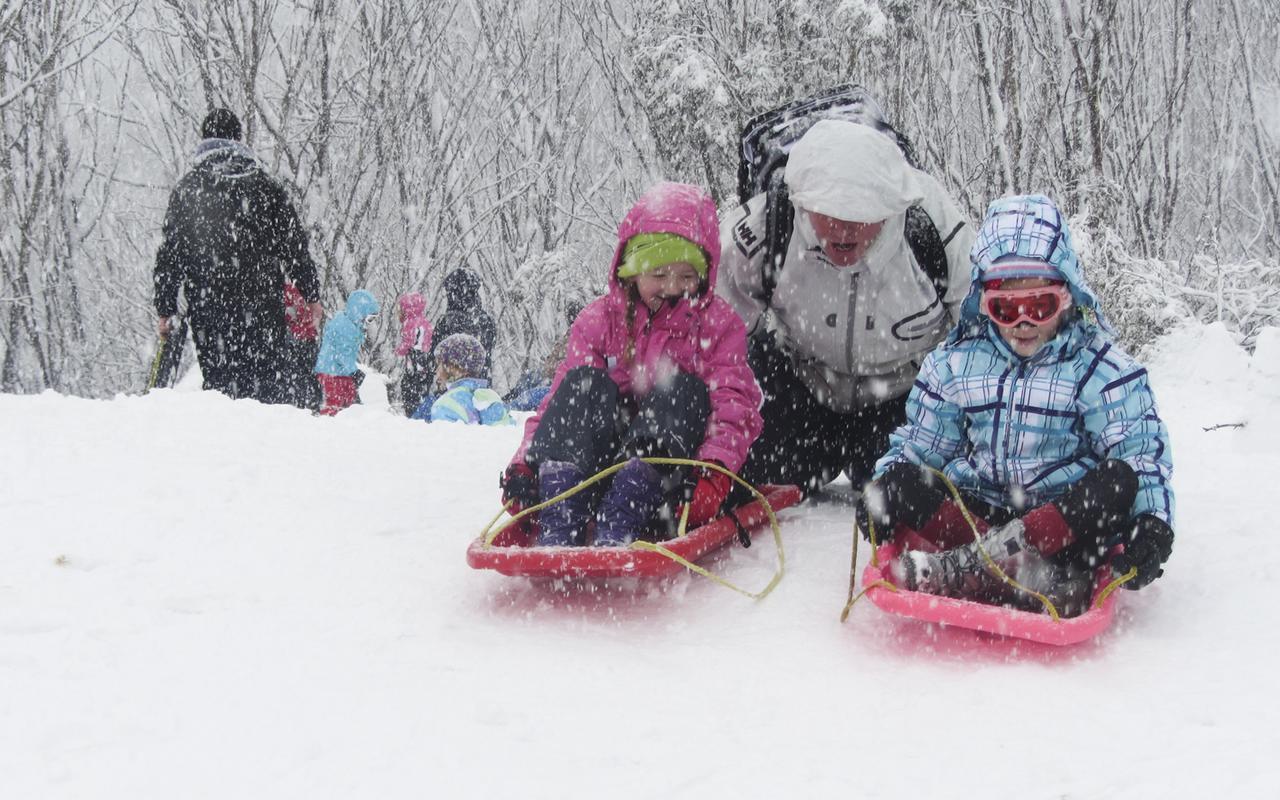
[[419, 136]]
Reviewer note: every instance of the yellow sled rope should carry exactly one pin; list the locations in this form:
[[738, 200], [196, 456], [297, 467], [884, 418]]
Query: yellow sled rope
[[991, 565], [490, 532]]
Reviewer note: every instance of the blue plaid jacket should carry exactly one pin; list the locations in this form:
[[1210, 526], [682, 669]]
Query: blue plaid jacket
[[1017, 432]]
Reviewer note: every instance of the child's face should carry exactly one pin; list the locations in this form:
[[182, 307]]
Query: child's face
[[447, 373], [671, 281], [844, 243], [1027, 337]]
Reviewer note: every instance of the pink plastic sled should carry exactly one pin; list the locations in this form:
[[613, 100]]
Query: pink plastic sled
[[1034, 626], [513, 551]]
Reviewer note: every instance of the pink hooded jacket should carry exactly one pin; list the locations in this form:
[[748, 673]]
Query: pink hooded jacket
[[703, 336], [415, 331]]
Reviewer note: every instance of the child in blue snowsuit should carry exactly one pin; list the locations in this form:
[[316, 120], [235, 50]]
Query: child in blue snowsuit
[[1048, 429], [467, 398], [343, 337]]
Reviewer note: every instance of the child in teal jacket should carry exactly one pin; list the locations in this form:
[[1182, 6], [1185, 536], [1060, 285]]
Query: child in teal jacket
[[343, 338]]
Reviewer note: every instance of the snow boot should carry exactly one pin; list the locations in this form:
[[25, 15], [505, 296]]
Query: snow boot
[[1072, 591], [628, 507], [1069, 588], [962, 571], [562, 524]]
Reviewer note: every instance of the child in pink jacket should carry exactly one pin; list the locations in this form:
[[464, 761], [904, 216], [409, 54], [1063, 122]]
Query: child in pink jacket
[[655, 367], [415, 349]]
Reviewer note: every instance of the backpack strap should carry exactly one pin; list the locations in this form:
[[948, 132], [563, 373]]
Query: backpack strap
[[928, 248], [779, 220]]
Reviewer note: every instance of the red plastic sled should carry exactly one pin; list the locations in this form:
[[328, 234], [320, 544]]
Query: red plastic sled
[[1033, 626], [513, 552]]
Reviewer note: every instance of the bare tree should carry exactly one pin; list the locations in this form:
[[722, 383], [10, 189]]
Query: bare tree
[[509, 137]]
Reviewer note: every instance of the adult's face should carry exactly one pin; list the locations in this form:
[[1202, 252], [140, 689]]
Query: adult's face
[[844, 242]]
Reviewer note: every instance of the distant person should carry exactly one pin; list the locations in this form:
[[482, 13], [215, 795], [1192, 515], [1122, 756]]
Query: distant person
[[344, 335], [231, 237], [535, 384], [1046, 426], [302, 347], [655, 367], [415, 349], [464, 313], [866, 282], [467, 397]]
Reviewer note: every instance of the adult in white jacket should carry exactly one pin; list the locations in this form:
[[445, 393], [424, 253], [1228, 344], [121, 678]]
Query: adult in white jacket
[[837, 340]]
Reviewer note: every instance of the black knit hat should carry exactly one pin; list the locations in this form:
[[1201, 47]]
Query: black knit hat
[[221, 123]]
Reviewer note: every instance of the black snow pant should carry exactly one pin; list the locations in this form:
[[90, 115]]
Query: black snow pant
[[416, 381], [1097, 508], [302, 388], [804, 442], [587, 424], [242, 353]]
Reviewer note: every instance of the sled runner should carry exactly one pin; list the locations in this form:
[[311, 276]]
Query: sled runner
[[512, 551], [974, 615]]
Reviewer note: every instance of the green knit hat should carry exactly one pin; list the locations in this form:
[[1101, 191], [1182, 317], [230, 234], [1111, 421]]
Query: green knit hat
[[648, 251]]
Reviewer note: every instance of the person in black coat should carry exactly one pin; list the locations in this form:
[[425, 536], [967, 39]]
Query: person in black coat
[[464, 313], [231, 237]]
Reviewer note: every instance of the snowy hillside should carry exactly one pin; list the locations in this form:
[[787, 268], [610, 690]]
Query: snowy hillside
[[206, 598]]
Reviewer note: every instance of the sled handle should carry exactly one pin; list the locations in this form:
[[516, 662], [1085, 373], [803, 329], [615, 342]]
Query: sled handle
[[1053, 612], [490, 532], [657, 547], [990, 564], [1115, 584], [853, 566]]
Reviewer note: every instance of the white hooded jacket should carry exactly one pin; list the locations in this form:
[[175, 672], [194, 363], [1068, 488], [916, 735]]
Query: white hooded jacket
[[856, 334]]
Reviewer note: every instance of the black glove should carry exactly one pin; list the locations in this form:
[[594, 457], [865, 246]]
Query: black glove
[[904, 494], [883, 519], [519, 484], [1149, 545]]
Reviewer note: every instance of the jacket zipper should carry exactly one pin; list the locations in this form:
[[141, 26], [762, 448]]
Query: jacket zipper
[[643, 335], [852, 325], [1008, 423]]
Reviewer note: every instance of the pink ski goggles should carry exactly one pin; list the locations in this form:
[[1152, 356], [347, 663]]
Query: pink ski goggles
[[1040, 305]]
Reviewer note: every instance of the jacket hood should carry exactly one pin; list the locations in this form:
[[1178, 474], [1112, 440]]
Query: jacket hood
[[412, 305], [462, 290], [360, 305], [680, 208], [851, 172], [226, 158], [1027, 227]]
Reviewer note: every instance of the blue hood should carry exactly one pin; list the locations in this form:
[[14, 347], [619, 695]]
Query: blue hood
[[1027, 226], [360, 305]]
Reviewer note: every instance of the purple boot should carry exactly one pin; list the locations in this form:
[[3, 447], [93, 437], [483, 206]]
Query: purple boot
[[627, 508], [562, 524]]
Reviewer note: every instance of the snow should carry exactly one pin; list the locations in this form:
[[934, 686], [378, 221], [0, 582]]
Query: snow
[[207, 598]]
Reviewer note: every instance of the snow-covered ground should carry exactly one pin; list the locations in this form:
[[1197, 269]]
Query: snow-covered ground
[[207, 598]]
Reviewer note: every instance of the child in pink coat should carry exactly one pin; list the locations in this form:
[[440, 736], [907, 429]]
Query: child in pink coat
[[655, 367], [415, 349]]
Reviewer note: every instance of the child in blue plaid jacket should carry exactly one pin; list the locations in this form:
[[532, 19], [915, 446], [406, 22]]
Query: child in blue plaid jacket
[[1049, 431]]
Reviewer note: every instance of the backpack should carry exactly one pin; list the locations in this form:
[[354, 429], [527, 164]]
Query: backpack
[[764, 147]]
